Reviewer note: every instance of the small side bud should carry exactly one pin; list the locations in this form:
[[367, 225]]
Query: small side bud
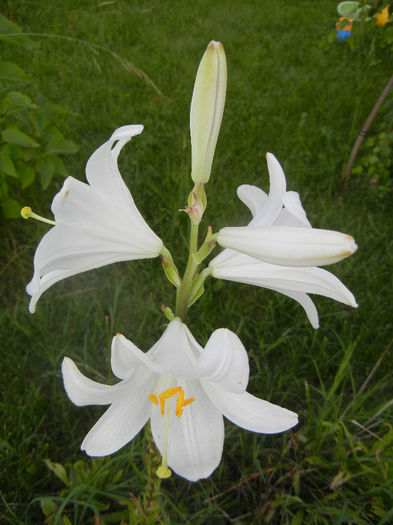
[[169, 267], [197, 203], [167, 312], [206, 248]]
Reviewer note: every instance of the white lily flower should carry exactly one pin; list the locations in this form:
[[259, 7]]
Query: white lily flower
[[184, 391], [96, 223], [284, 245], [207, 107], [282, 236]]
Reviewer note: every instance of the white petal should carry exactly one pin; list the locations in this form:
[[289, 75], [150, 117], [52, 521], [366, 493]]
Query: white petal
[[253, 197], [196, 438], [175, 352], [304, 300], [98, 224], [270, 211], [96, 215], [102, 171], [83, 391], [304, 279], [293, 213], [249, 270], [123, 420], [249, 412], [289, 246], [127, 359], [225, 361]]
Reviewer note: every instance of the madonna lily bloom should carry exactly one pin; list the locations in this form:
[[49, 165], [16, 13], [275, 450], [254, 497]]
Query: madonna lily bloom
[[276, 243], [282, 236], [184, 390], [95, 223]]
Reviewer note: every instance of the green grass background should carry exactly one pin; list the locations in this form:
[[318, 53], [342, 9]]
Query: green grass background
[[289, 92]]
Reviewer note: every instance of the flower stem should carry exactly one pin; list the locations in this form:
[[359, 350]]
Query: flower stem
[[184, 290]]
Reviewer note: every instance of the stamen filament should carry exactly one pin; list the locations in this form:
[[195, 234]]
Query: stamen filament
[[163, 471], [28, 213]]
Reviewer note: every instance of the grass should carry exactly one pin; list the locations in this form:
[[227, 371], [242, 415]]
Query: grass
[[289, 92]]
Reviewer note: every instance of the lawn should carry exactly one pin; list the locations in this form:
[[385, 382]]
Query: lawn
[[292, 90]]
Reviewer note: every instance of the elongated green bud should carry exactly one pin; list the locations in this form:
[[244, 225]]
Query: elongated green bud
[[207, 107]]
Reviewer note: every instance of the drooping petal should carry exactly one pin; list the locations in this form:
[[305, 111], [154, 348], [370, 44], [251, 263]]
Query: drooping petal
[[304, 300], [303, 279], [83, 391], [289, 246], [195, 439], [225, 361], [250, 412], [123, 419]]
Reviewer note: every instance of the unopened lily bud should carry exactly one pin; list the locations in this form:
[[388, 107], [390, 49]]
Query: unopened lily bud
[[169, 267], [207, 107]]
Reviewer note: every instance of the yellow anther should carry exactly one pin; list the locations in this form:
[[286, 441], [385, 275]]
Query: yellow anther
[[163, 472], [28, 213], [153, 399], [166, 395], [181, 403], [170, 392]]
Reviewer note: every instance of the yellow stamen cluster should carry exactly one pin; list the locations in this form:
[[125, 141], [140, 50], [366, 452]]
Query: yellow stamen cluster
[[163, 471], [170, 392]]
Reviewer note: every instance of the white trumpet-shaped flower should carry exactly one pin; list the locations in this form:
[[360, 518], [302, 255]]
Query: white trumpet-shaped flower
[[96, 223], [184, 390], [280, 249], [207, 107]]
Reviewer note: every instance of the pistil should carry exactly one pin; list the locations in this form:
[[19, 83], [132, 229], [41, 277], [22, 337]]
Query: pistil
[[163, 471], [28, 213]]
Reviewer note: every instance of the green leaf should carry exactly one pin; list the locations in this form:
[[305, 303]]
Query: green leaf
[[59, 166], [16, 136], [6, 162], [58, 469], [16, 101], [48, 169], [61, 145], [66, 520], [31, 155], [48, 506], [12, 33], [11, 208], [26, 174], [3, 189], [10, 71]]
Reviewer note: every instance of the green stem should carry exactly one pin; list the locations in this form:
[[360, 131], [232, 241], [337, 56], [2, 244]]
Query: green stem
[[200, 280], [184, 290]]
